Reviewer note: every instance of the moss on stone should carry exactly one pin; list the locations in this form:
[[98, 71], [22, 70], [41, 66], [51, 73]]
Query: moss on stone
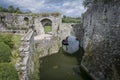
[[36, 72], [88, 49]]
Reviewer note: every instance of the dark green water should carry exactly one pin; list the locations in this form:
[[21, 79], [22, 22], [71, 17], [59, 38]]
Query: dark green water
[[61, 66]]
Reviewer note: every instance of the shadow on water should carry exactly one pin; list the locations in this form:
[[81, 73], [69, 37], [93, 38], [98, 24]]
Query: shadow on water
[[63, 66]]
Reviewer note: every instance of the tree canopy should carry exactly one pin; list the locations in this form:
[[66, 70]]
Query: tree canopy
[[10, 9], [86, 2]]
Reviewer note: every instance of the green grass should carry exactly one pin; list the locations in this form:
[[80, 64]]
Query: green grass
[[15, 51], [8, 72], [47, 29], [5, 52], [13, 41], [71, 20], [17, 40], [7, 69]]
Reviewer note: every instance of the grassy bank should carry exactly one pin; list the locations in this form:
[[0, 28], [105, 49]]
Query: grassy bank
[[9, 48]]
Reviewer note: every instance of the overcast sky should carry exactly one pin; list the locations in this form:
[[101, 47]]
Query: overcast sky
[[66, 7]]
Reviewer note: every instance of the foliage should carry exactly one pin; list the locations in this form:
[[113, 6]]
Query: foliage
[[15, 52], [47, 28], [3, 9], [107, 1], [8, 72], [86, 2], [18, 10], [66, 19], [55, 14], [7, 39], [5, 52], [17, 40], [15, 56], [10, 9], [8, 59], [45, 14]]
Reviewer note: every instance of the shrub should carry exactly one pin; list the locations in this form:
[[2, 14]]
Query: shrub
[[45, 14], [5, 52], [8, 72], [55, 14]]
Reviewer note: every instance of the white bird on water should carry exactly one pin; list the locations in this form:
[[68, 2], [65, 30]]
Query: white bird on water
[[70, 44]]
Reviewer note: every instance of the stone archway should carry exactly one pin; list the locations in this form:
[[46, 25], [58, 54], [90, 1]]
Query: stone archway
[[47, 25]]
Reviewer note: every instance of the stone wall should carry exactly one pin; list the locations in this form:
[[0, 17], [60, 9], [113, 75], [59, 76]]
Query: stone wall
[[13, 31], [14, 21], [47, 46], [65, 30], [78, 31], [56, 22], [71, 29], [101, 40], [25, 65]]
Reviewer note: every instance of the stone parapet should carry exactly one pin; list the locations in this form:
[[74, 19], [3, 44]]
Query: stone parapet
[[26, 64]]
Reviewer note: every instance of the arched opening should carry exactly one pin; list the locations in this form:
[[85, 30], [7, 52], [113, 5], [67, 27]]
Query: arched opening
[[47, 24], [2, 18], [27, 20]]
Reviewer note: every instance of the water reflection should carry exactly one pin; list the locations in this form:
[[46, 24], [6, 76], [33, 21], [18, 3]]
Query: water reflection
[[70, 44]]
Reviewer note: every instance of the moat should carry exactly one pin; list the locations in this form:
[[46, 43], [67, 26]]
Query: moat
[[62, 66]]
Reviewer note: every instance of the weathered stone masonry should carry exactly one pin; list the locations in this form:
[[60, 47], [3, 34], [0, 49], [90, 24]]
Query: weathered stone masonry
[[31, 25], [25, 65], [12, 21], [101, 40]]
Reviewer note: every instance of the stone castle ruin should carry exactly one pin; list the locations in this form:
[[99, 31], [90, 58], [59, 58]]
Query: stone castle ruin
[[11, 21], [35, 38], [98, 35]]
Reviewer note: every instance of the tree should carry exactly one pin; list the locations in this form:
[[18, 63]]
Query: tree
[[11, 9], [86, 2], [28, 11], [3, 9], [64, 16], [18, 10]]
